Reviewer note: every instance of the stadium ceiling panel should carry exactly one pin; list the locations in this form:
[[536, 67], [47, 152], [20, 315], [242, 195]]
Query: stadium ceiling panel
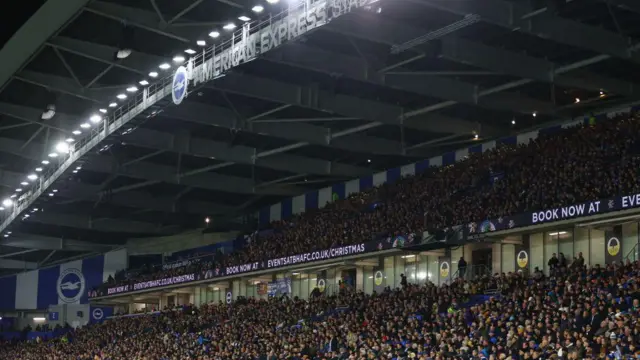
[[362, 94]]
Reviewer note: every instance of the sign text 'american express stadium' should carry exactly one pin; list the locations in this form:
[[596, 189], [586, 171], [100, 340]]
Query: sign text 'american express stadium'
[[299, 21]]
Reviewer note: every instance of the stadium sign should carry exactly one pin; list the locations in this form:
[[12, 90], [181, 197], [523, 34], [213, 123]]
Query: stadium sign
[[252, 43], [602, 206], [310, 257]]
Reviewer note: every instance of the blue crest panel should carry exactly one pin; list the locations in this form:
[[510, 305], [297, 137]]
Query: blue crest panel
[[92, 269], [366, 182], [422, 166], [8, 288], [311, 200], [47, 287], [287, 205]]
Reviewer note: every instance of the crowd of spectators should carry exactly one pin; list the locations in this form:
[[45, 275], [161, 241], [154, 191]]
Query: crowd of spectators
[[561, 167], [579, 313]]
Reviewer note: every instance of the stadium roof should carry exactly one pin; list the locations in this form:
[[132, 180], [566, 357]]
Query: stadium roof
[[377, 88]]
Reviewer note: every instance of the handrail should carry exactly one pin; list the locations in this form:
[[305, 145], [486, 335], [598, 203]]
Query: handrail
[[632, 255], [213, 62]]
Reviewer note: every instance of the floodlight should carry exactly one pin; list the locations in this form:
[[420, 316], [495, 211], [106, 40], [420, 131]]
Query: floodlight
[[38, 169], [190, 51], [62, 147], [153, 74], [272, 1], [201, 43], [49, 113], [53, 155], [85, 125], [76, 132], [19, 190], [113, 104], [244, 18], [214, 34], [69, 140], [164, 66], [178, 59], [121, 96], [32, 177], [24, 183], [95, 118], [132, 89], [7, 202], [45, 162], [257, 9], [104, 111], [229, 26], [143, 82], [123, 53]]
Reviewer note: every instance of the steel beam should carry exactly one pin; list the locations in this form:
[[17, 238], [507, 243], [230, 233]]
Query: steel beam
[[131, 199], [287, 93], [521, 16], [497, 60], [150, 171], [141, 19], [17, 264], [47, 20], [65, 85], [184, 143], [86, 222], [38, 242], [630, 5], [433, 86]]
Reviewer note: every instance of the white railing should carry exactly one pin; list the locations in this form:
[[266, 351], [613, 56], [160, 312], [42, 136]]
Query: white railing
[[244, 45]]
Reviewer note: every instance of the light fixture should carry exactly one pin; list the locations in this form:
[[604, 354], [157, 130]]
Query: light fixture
[[273, 1], [85, 125], [38, 169], [69, 140], [214, 34], [257, 9], [201, 43], [475, 136], [1, 208], [55, 190], [24, 183], [113, 104], [19, 190], [104, 111], [190, 51], [229, 26], [32, 177], [164, 66], [143, 82], [535, 114], [13, 196], [123, 53], [76, 132], [178, 59], [49, 112], [121, 96], [244, 18], [7, 202], [50, 194], [53, 155], [207, 220], [577, 100], [45, 162], [95, 118], [153, 74], [78, 167], [132, 89], [368, 160], [513, 122], [75, 171], [6, 235]]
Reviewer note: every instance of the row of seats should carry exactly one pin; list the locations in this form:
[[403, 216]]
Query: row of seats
[[580, 313]]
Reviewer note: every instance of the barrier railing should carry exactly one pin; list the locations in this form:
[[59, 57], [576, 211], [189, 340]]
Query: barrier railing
[[244, 45]]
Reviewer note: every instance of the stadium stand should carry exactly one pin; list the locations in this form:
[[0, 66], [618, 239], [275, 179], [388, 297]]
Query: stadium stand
[[578, 313], [572, 165]]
